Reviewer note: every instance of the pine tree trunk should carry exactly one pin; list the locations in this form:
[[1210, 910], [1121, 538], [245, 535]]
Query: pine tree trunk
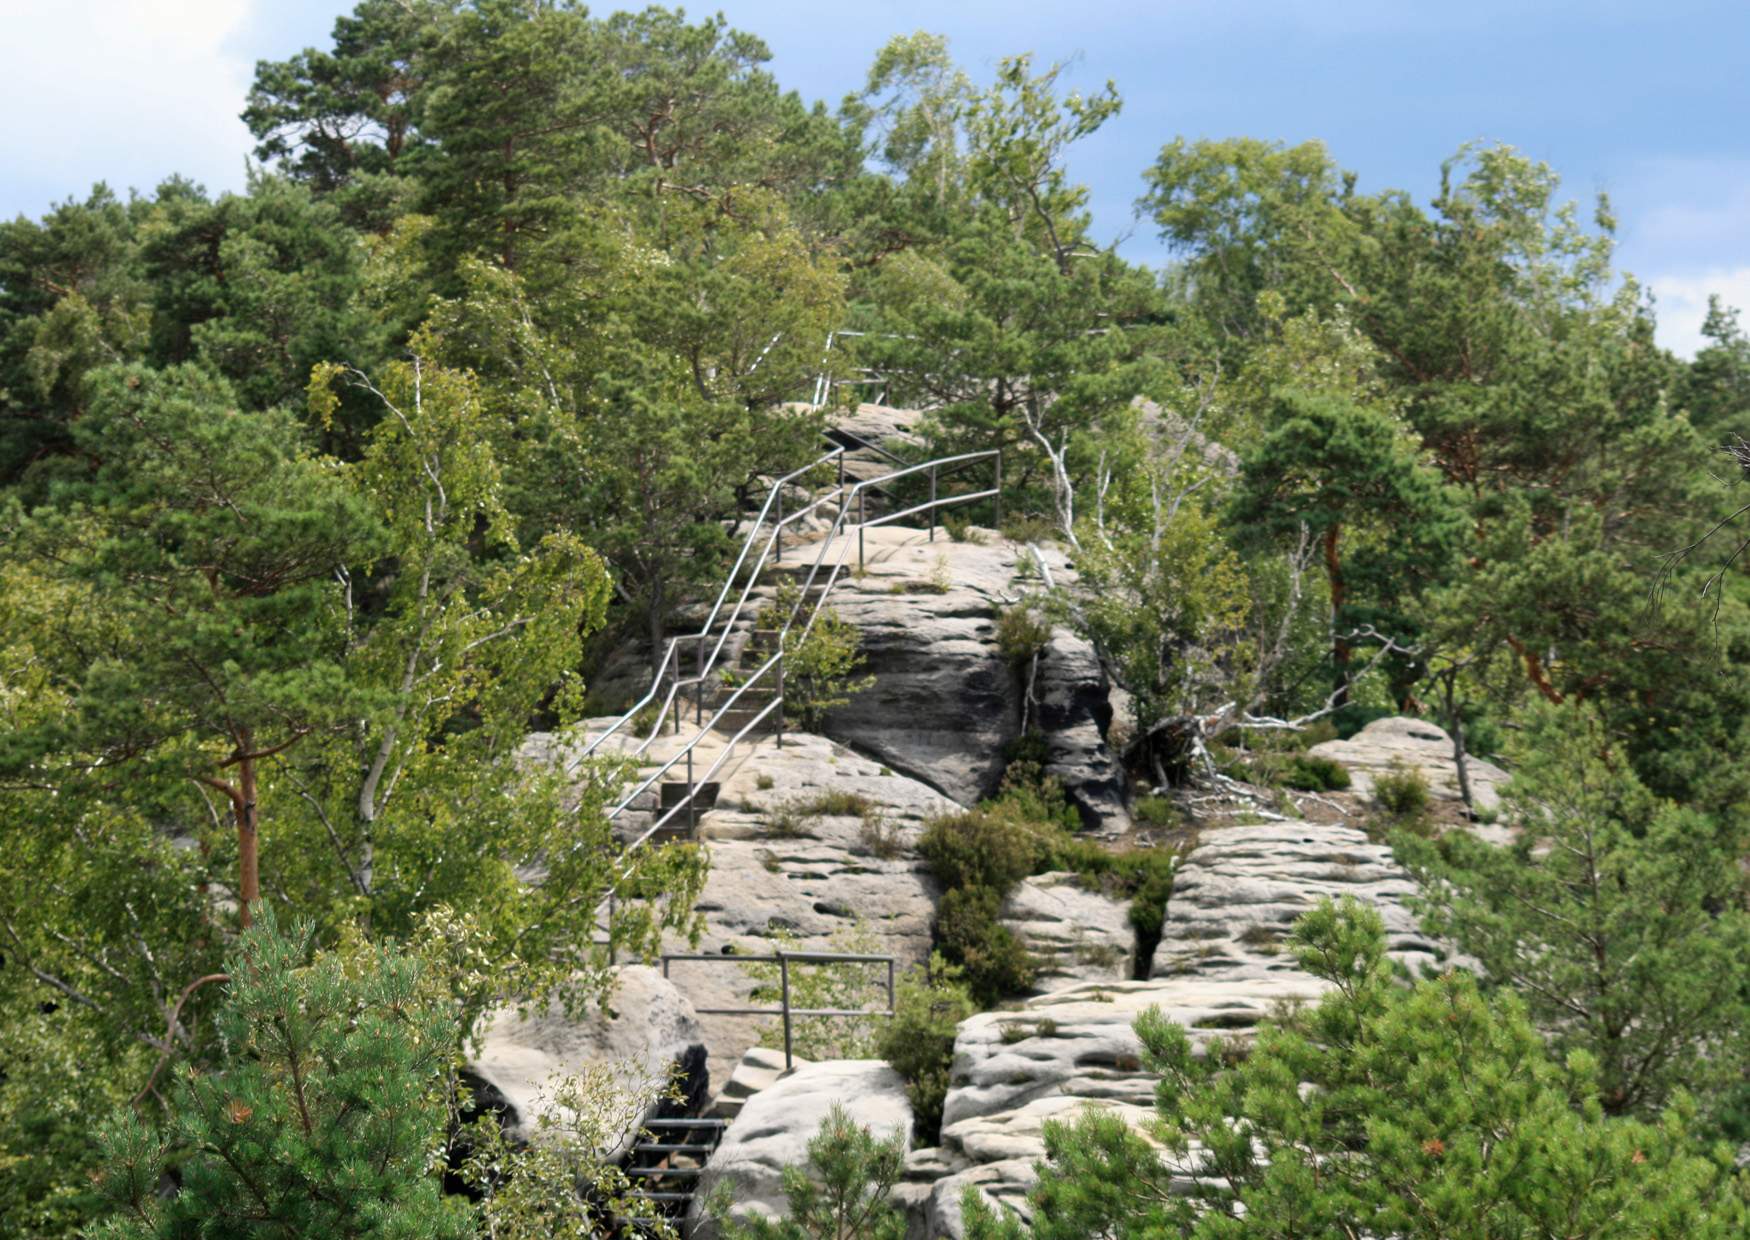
[[248, 859], [1339, 646]]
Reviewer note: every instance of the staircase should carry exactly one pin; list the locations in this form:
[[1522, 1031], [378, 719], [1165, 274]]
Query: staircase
[[666, 1163]]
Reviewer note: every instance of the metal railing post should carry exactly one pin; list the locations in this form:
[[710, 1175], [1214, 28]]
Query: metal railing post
[[784, 986], [932, 503], [699, 685], [862, 520], [692, 825], [778, 531], [889, 981], [999, 488], [780, 697]]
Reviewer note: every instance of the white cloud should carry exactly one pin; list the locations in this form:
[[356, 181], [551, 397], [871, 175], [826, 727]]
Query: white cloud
[[1682, 303], [126, 91]]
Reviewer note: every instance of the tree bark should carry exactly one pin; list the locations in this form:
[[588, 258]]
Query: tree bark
[[1340, 652], [248, 855]]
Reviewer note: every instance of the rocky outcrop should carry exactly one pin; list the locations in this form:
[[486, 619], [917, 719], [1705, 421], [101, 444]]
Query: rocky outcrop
[[1416, 745], [776, 1125], [1074, 701], [781, 864], [1075, 934], [1240, 892], [647, 1023], [946, 703], [1219, 971]]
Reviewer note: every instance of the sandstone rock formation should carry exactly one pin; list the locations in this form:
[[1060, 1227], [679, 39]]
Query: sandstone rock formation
[[776, 1125], [1219, 971], [648, 1023], [1417, 745], [778, 865], [1076, 934]]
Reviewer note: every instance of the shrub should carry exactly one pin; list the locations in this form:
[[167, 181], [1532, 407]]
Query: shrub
[[1021, 633], [1153, 811], [961, 530], [837, 803], [1310, 773], [918, 1042], [995, 961], [880, 836], [820, 669], [846, 986], [1401, 792], [842, 1192], [980, 848]]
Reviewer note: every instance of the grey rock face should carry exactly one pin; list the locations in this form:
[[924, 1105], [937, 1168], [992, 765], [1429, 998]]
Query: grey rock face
[[1238, 894], [1075, 714], [946, 702], [1219, 971], [832, 873], [775, 1126], [1412, 744], [1076, 934], [648, 1023]]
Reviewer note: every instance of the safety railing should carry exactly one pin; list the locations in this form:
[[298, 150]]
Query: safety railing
[[671, 652], [784, 960], [850, 497]]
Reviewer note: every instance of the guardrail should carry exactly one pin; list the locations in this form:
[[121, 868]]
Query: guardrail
[[849, 496], [783, 960]]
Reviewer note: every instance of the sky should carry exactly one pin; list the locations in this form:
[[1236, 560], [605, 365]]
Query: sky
[[1644, 101]]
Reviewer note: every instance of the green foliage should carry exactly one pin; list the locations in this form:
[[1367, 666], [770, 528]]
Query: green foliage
[[994, 960], [1311, 773], [845, 986], [326, 1117], [1619, 916], [821, 660], [1402, 792], [918, 1042], [841, 1193], [1021, 633], [1443, 1104], [561, 1184]]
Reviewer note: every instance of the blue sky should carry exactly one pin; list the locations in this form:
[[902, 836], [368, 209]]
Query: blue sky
[[1647, 102]]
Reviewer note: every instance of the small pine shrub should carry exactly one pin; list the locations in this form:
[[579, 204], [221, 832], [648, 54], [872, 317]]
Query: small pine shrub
[[1153, 811], [1021, 633], [918, 1042], [1310, 773], [1401, 792], [995, 961], [765, 783], [963, 531]]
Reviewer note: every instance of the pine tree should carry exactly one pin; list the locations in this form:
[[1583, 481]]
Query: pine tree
[[326, 1117]]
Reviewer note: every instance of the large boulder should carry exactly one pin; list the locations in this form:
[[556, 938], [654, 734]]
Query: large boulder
[[647, 1023], [776, 1124], [947, 703], [1399, 743]]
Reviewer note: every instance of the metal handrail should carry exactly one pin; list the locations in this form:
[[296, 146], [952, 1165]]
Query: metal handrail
[[783, 959], [671, 653], [856, 492]]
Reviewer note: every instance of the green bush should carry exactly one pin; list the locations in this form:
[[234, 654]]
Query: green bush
[[1401, 792], [820, 669], [981, 848], [918, 1043], [1310, 773], [995, 961], [1153, 811], [1022, 633]]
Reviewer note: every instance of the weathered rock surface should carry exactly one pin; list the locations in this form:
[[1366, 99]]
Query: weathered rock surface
[[1076, 934], [1075, 716], [1239, 893], [647, 1023], [776, 1125], [1218, 971], [1416, 745], [946, 702], [776, 865], [761, 1067]]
